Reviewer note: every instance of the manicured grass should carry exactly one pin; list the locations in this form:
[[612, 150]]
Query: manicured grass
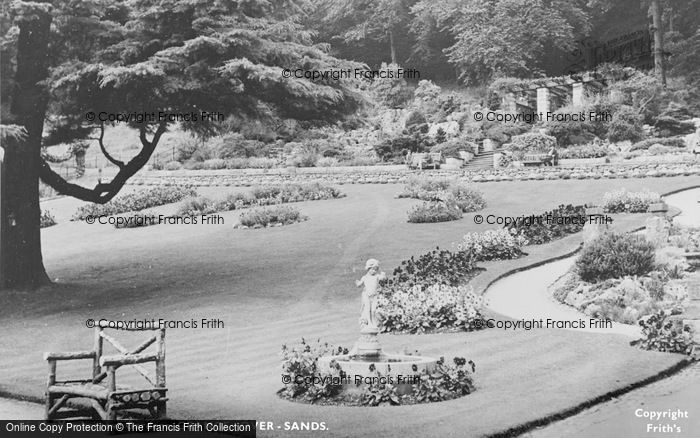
[[277, 285]]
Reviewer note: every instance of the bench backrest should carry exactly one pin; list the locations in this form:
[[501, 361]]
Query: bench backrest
[[133, 357]]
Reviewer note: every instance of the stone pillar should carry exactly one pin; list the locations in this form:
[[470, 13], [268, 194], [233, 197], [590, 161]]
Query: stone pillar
[[508, 103], [543, 99], [577, 94], [496, 160]]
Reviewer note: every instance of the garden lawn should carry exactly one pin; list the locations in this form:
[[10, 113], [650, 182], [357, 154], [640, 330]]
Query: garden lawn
[[273, 286]]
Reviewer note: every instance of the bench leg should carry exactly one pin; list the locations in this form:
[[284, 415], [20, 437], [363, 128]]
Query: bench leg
[[161, 410], [48, 406], [111, 411]]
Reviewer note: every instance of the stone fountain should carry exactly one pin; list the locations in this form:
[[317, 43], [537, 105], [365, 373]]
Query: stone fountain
[[367, 350]]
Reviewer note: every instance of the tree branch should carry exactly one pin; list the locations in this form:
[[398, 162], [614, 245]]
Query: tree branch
[[119, 164], [104, 192]]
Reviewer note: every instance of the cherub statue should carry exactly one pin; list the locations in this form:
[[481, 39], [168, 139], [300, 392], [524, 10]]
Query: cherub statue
[[370, 281]]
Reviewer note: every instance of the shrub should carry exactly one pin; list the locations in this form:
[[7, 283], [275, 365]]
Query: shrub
[[550, 225], [186, 146], [195, 206], [251, 163], [306, 159], [676, 142], [452, 147], [46, 220], [431, 189], [214, 164], [622, 201], [615, 255], [172, 165], [435, 267], [415, 310], [658, 149], [327, 162], [669, 126], [271, 216], [567, 132], [435, 211], [531, 142], [626, 124], [414, 118], [398, 147], [139, 200], [359, 161], [583, 151], [498, 244], [663, 334]]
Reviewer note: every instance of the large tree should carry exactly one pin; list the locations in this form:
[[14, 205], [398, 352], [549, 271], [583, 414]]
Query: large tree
[[145, 57]]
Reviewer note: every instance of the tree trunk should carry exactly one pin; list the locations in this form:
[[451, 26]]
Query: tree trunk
[[22, 266], [392, 47], [659, 68]]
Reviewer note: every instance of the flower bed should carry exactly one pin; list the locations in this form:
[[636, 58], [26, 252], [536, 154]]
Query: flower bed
[[428, 189], [661, 333], [418, 309], [400, 174], [435, 211], [622, 201], [305, 382], [260, 196], [498, 244], [136, 201], [550, 225], [271, 217]]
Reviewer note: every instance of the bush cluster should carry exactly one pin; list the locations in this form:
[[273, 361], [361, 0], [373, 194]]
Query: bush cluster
[[674, 142], [430, 189], [615, 255], [663, 334], [260, 196], [583, 151], [550, 225], [271, 216], [46, 219], [438, 266], [530, 143], [622, 201], [139, 200], [439, 210]]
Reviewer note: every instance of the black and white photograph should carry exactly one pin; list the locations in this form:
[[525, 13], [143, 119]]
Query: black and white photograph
[[350, 218]]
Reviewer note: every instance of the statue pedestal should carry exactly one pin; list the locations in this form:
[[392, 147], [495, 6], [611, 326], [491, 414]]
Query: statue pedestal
[[368, 344]]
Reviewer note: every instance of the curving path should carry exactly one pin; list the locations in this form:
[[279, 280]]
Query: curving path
[[525, 295]]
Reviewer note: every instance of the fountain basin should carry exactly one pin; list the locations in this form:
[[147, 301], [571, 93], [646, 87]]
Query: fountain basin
[[386, 364]]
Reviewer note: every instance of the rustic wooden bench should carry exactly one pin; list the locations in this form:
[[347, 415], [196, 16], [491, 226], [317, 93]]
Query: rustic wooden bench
[[106, 399], [536, 159]]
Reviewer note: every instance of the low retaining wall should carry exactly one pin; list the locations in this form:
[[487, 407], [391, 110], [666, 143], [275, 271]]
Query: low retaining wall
[[399, 174]]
